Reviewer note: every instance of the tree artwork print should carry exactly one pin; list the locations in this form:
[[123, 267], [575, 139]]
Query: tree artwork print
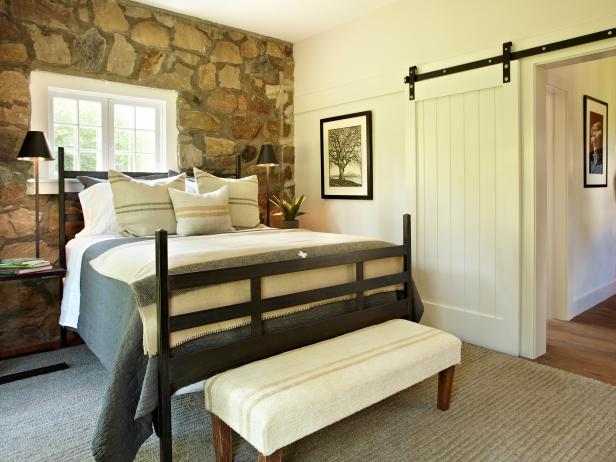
[[346, 156], [344, 151]]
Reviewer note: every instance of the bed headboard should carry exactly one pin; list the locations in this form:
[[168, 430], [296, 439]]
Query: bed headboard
[[72, 222]]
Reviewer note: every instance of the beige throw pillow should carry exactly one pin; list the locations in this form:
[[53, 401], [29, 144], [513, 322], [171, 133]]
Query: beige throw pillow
[[142, 207], [243, 196], [200, 214]]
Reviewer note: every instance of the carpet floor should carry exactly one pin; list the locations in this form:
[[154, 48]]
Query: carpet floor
[[503, 409]]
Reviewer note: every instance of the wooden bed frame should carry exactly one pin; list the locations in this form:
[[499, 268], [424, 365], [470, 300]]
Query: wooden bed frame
[[177, 371]]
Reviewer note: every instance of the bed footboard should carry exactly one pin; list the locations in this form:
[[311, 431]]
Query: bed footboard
[[175, 372]]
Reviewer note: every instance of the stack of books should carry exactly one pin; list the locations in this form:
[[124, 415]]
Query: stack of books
[[23, 265]]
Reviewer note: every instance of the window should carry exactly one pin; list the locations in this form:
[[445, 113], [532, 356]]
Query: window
[[100, 131], [136, 140]]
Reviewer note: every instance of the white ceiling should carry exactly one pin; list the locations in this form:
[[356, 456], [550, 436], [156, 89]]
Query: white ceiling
[[290, 20]]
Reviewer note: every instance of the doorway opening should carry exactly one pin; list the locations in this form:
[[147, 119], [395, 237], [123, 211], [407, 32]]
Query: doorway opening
[[579, 224]]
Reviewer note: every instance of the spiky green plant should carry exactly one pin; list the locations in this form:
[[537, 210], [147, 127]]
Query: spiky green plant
[[288, 209]]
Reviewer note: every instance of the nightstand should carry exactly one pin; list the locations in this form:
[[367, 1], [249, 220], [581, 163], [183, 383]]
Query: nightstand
[[55, 272]]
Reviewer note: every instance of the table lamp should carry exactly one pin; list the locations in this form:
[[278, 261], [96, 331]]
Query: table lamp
[[267, 159], [35, 148]]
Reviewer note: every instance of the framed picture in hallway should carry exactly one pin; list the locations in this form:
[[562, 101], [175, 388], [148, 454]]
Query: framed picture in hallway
[[595, 143], [346, 156]]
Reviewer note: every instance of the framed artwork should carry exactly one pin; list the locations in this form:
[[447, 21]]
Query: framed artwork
[[346, 156], [595, 143]]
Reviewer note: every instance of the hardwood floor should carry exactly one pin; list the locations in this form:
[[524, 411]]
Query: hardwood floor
[[586, 345]]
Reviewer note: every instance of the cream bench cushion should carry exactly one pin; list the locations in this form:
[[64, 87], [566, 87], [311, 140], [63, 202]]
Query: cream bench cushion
[[276, 401]]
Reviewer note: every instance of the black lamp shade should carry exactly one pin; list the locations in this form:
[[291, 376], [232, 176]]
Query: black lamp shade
[[35, 146], [267, 156]]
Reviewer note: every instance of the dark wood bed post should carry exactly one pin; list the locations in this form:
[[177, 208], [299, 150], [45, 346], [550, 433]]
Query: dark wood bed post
[[61, 206], [61, 233], [408, 262], [164, 388]]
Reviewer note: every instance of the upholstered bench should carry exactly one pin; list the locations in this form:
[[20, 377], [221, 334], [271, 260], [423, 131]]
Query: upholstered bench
[[276, 401]]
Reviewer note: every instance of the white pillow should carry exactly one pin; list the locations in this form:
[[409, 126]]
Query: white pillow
[[142, 207], [201, 214], [243, 196], [98, 211], [191, 186]]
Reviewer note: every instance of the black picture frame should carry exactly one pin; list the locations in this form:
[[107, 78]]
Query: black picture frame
[[361, 187], [595, 163]]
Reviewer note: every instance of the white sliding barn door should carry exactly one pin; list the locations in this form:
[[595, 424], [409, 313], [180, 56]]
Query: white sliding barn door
[[465, 134]]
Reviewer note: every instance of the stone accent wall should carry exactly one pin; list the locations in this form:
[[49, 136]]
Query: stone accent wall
[[235, 92]]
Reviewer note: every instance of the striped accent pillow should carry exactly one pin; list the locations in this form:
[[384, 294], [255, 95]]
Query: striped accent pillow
[[142, 207], [201, 213], [243, 196]]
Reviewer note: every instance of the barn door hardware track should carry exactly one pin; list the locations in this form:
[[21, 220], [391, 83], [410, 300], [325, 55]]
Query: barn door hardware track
[[505, 59]]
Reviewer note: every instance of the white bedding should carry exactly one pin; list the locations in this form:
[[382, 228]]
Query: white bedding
[[71, 297], [137, 260], [75, 248]]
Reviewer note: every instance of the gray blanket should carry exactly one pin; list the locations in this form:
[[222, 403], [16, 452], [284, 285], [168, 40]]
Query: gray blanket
[[110, 324]]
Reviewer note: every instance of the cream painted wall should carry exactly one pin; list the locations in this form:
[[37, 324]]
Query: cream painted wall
[[360, 66], [591, 212], [380, 217]]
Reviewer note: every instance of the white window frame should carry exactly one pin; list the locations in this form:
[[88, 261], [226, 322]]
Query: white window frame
[[159, 107], [58, 93], [42, 81], [108, 101]]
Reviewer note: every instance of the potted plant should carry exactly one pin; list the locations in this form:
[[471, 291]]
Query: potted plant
[[289, 210]]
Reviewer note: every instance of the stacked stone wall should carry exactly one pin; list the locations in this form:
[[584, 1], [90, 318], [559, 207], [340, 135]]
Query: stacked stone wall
[[235, 92]]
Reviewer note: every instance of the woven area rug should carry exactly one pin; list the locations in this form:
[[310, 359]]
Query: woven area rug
[[503, 409]]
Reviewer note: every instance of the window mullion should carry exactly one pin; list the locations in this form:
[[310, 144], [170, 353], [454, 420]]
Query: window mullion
[[77, 153], [134, 156], [157, 138], [111, 122], [105, 134], [52, 133]]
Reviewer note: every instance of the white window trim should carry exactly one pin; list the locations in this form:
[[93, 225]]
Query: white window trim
[[159, 106], [107, 117], [41, 81], [69, 94]]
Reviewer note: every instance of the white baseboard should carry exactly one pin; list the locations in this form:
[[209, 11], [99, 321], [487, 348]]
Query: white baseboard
[[590, 299]]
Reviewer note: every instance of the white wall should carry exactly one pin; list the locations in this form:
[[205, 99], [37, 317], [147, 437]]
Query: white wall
[[360, 65], [591, 212]]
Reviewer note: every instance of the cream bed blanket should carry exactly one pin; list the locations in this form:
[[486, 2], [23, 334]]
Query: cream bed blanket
[[135, 262]]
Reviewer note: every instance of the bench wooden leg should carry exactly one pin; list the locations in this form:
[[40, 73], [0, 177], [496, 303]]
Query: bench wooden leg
[[221, 435], [445, 383], [275, 457]]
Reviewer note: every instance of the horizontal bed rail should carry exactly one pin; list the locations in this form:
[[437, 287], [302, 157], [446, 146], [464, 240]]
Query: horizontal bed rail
[[215, 360], [181, 281], [224, 313]]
